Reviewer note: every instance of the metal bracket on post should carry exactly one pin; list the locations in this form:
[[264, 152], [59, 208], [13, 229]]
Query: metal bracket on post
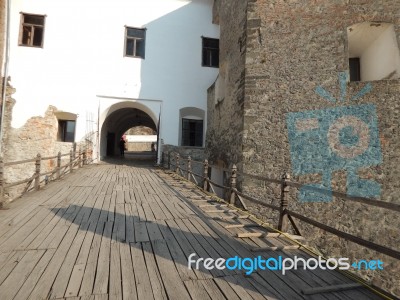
[[189, 167], [37, 171], [233, 184], [283, 218], [205, 175]]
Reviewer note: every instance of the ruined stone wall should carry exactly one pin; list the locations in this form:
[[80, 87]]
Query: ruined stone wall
[[38, 135], [226, 96], [292, 48]]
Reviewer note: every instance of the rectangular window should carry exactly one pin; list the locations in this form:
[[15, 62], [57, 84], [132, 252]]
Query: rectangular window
[[66, 131], [135, 42], [32, 30], [354, 64], [210, 52], [192, 132]]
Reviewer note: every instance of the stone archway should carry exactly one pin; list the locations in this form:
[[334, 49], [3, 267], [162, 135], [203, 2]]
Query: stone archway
[[117, 121]]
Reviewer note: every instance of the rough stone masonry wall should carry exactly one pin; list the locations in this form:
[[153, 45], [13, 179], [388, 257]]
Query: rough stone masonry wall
[[226, 96], [293, 47]]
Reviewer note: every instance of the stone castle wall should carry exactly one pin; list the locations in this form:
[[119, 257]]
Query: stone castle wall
[[291, 49], [226, 96]]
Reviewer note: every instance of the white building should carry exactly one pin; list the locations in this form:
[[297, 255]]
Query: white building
[[110, 65]]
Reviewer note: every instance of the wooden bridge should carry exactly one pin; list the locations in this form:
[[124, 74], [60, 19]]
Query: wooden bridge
[[118, 231]]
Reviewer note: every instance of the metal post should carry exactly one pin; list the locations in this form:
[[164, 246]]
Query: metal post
[[189, 167], [205, 175], [177, 164], [59, 165], [37, 171], [283, 218], [233, 184], [71, 158]]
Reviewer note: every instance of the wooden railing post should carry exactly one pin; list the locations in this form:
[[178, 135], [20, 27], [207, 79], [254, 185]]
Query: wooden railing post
[[233, 184], [71, 158], [2, 185], [59, 165], [205, 175], [283, 218], [169, 160], [189, 167], [80, 160], [84, 157], [177, 163], [37, 171]]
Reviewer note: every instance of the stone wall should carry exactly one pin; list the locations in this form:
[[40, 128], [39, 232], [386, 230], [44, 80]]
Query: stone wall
[[38, 135], [226, 96], [293, 47]]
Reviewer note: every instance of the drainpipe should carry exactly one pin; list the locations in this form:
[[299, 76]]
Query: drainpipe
[[6, 59]]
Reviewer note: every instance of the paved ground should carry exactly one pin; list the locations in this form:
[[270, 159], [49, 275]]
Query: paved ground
[[124, 231]]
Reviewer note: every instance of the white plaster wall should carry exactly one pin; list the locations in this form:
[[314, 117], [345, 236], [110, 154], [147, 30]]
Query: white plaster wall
[[82, 59], [381, 58]]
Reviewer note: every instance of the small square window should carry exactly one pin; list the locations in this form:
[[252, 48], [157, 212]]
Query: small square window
[[32, 30], [354, 64], [135, 42], [210, 52], [66, 131], [192, 132]]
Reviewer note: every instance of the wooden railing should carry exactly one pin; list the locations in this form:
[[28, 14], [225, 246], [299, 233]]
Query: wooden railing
[[286, 216], [77, 159]]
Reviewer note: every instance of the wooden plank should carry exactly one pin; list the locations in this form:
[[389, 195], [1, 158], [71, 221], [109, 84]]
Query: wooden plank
[[127, 275], [75, 280], [16, 279], [61, 281], [196, 290], [45, 282], [226, 289], [103, 265], [272, 248], [142, 279], [118, 233], [115, 280], [242, 226], [156, 282], [212, 289], [172, 282], [331, 288], [130, 231], [214, 211]]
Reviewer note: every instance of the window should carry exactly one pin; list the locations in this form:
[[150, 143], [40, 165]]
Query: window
[[66, 131], [135, 42], [32, 30], [210, 52], [354, 64], [373, 52], [192, 132]]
